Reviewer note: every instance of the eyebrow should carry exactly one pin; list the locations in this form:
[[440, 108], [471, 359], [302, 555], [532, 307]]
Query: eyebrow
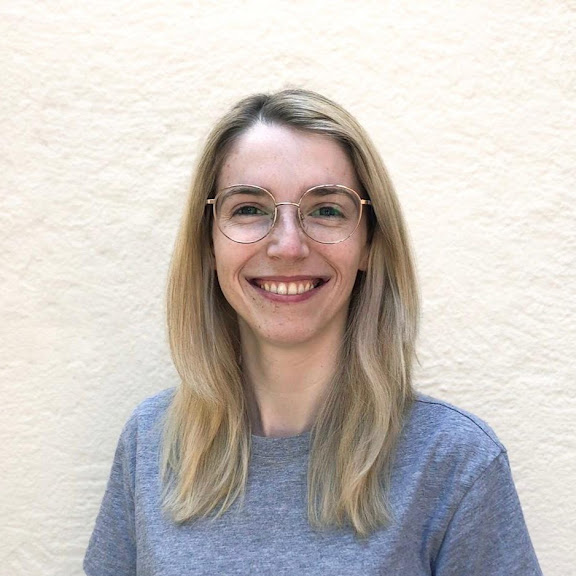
[[326, 189], [322, 189], [245, 189]]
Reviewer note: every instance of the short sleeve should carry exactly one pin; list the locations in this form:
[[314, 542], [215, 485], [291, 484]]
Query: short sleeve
[[487, 536], [112, 547]]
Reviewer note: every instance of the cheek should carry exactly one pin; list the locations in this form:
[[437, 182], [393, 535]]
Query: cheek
[[222, 276], [219, 263], [223, 279], [357, 257], [222, 251], [229, 261]]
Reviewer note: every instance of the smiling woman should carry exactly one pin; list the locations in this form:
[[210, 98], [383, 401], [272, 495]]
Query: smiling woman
[[257, 277], [295, 442]]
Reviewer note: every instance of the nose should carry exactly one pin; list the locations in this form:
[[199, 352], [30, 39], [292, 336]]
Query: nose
[[287, 239]]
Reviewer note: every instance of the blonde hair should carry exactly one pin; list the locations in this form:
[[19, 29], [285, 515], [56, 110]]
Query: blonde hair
[[207, 438]]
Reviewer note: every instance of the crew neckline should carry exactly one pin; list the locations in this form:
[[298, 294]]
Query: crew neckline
[[284, 446]]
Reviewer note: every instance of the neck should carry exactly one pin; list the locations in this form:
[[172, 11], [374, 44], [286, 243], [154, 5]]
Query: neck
[[287, 384]]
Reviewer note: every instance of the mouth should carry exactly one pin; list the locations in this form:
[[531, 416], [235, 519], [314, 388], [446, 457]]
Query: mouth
[[291, 288]]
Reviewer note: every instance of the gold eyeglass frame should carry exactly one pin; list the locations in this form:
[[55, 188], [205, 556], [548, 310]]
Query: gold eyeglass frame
[[362, 202]]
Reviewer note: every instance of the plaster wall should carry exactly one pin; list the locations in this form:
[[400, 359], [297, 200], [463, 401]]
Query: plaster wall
[[103, 110]]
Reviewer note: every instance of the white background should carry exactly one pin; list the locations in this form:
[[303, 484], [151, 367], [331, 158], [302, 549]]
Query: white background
[[103, 109]]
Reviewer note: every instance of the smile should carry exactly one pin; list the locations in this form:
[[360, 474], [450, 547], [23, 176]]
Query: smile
[[288, 288]]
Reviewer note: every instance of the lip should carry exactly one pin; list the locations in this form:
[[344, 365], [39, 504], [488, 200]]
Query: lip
[[318, 281]]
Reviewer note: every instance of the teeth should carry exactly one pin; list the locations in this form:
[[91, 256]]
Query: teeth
[[291, 288]]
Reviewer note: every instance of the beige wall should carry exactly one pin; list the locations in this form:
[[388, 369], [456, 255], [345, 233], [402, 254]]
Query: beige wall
[[103, 108]]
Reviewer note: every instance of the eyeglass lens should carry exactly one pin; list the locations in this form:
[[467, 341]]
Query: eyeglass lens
[[328, 214]]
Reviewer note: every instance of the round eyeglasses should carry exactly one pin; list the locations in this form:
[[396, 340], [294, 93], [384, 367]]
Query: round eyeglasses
[[329, 213]]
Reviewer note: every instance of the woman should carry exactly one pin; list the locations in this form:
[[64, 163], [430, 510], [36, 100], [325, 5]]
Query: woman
[[295, 443]]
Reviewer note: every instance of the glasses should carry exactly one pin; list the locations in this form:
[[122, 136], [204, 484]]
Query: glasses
[[329, 213]]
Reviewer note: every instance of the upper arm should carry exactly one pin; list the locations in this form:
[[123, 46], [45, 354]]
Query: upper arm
[[487, 534], [112, 547]]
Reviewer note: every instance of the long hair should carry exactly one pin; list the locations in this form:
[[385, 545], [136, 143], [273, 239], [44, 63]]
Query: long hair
[[207, 440]]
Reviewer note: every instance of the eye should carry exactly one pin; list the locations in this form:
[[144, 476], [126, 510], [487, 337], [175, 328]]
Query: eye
[[328, 206], [326, 212], [244, 205], [248, 211]]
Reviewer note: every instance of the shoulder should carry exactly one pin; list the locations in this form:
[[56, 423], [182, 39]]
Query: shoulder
[[431, 416], [447, 441], [155, 406], [147, 418]]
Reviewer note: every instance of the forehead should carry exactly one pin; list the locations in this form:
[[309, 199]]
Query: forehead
[[280, 158]]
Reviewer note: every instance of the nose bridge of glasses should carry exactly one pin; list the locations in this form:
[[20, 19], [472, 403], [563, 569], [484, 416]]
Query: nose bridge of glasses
[[287, 217], [296, 204]]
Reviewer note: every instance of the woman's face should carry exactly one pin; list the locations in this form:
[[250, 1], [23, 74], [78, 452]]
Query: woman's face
[[257, 279]]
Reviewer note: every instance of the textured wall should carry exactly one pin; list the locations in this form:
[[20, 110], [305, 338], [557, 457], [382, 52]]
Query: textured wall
[[104, 106]]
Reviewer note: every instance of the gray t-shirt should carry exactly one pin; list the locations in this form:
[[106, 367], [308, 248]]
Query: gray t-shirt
[[456, 511]]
